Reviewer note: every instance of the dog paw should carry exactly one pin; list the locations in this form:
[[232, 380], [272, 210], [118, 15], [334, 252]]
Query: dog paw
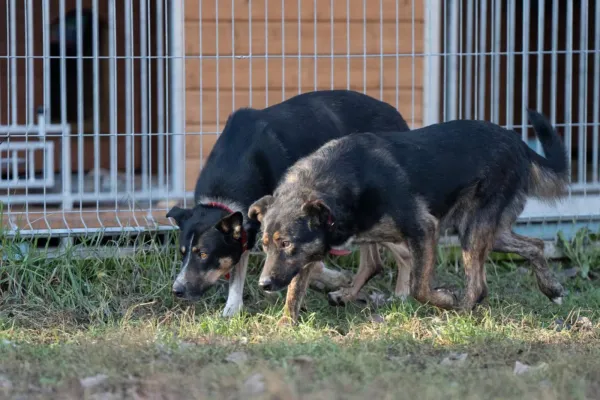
[[446, 298], [286, 320], [558, 300], [557, 294], [233, 309], [398, 297], [338, 298], [401, 294]]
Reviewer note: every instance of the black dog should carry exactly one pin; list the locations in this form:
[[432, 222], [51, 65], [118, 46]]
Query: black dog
[[249, 158], [473, 176]]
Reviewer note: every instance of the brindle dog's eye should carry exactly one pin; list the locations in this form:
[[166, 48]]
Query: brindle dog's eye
[[203, 255], [285, 244]]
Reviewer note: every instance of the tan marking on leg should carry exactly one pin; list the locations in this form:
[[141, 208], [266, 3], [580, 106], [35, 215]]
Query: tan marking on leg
[[324, 278], [403, 260], [474, 266], [295, 295], [423, 266], [370, 265]]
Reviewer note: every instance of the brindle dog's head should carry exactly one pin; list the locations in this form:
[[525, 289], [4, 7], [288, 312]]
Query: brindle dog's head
[[294, 235], [210, 243]]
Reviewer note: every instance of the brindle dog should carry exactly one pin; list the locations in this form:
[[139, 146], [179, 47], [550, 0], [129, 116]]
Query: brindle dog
[[473, 176]]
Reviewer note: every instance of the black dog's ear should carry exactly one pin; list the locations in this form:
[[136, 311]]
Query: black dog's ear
[[259, 208], [316, 209], [231, 223], [180, 215]]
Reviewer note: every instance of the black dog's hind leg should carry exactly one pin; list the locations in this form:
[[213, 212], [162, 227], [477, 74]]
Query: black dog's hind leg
[[532, 250], [327, 279], [403, 262], [369, 266]]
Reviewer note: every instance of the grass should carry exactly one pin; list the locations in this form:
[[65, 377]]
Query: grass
[[109, 329]]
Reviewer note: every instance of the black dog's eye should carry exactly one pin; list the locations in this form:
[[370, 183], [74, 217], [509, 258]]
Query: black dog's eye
[[285, 244], [203, 255]]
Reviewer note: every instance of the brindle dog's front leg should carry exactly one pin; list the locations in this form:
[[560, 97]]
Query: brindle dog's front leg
[[295, 294], [369, 266], [422, 248]]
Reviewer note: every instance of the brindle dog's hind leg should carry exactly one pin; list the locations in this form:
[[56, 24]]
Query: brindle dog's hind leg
[[403, 261], [532, 250], [295, 294], [369, 266], [476, 245]]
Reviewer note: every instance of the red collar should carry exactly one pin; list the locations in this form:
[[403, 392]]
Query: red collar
[[244, 237]]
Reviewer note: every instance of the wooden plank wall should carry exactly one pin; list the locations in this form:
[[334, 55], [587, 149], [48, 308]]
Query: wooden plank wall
[[225, 33]]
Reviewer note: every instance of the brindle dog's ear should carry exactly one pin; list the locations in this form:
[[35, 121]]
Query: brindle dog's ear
[[180, 215], [259, 208], [317, 209], [231, 224]]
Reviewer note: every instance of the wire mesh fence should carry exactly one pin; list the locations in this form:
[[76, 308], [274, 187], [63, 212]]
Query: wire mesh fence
[[109, 108]]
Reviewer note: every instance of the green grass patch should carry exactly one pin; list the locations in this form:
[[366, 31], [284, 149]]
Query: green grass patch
[[109, 328]]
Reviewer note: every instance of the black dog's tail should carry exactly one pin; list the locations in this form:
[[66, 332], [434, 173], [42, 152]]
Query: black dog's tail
[[548, 176]]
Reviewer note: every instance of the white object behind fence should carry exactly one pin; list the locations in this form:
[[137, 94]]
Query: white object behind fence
[[135, 92]]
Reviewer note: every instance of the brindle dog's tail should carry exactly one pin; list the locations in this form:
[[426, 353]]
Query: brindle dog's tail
[[549, 175]]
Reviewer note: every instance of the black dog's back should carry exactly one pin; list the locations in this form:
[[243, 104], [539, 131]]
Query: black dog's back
[[257, 146]]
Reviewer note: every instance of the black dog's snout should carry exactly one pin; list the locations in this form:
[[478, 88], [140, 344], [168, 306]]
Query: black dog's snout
[[266, 284], [178, 290]]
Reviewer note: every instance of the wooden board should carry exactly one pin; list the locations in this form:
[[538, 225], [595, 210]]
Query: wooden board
[[226, 38], [275, 10], [87, 218], [305, 73]]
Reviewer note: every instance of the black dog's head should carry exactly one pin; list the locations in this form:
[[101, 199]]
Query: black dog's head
[[211, 242], [294, 235]]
